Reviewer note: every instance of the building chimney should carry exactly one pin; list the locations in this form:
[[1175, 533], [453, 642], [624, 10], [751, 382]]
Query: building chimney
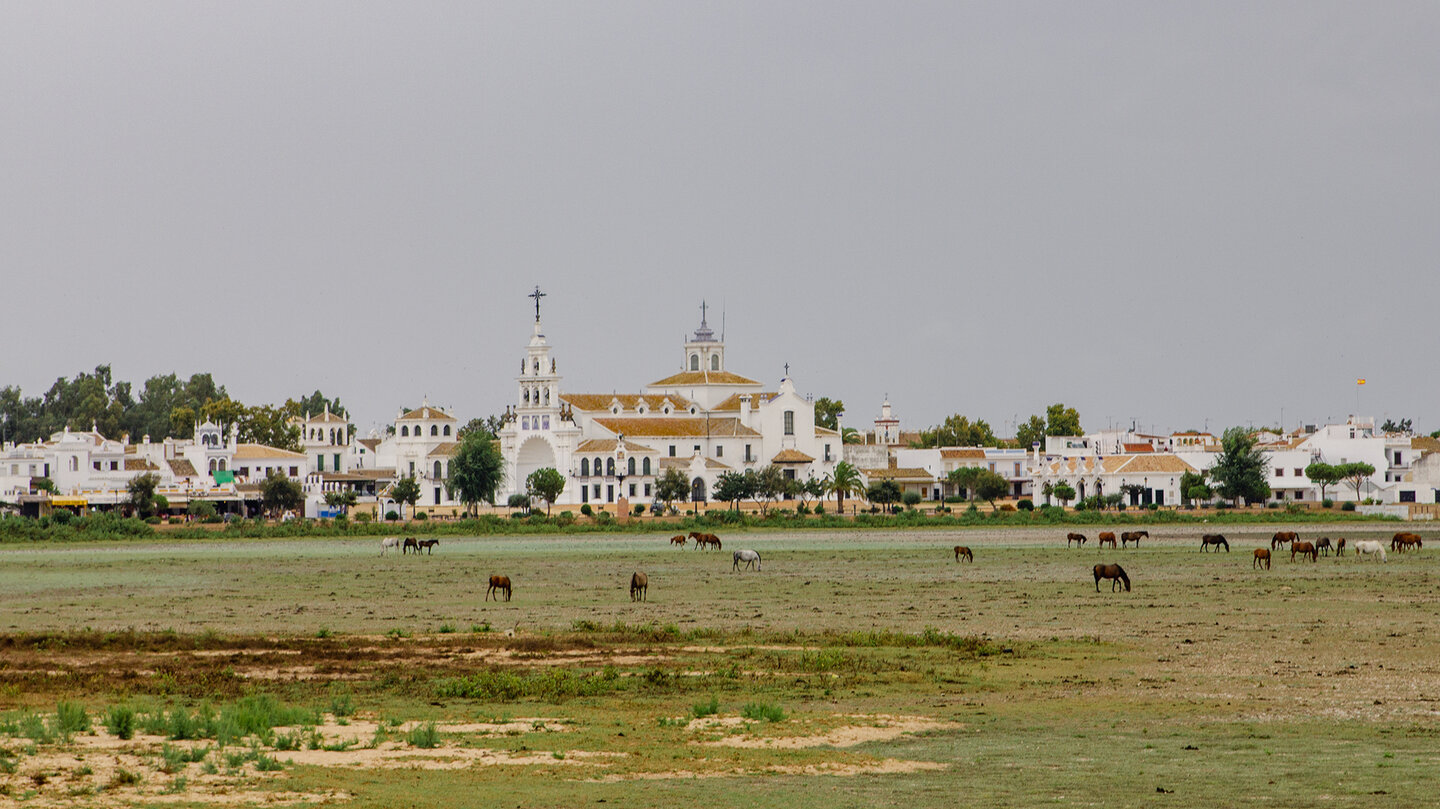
[[744, 410]]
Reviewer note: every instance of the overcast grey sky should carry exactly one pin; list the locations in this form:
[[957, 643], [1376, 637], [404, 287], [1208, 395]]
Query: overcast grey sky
[[1185, 213]]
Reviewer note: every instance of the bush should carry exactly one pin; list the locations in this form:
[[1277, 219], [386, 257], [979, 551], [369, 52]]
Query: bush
[[762, 711], [587, 510], [518, 500], [363, 517], [120, 722], [1348, 505], [61, 516], [1007, 507], [152, 520], [425, 736], [1273, 504], [639, 510], [910, 498], [70, 717], [1026, 505], [421, 516], [700, 710], [391, 516], [820, 509], [1327, 503], [201, 508], [954, 498]]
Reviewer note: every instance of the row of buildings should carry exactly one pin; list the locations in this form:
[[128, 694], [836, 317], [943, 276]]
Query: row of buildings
[[704, 421]]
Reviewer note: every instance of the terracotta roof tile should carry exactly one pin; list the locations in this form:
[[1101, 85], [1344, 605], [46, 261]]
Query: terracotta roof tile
[[898, 473], [427, 413], [140, 465], [732, 402], [629, 402], [444, 450], [704, 378], [965, 452], [1138, 447], [609, 445], [676, 427], [263, 451], [182, 468], [789, 455]]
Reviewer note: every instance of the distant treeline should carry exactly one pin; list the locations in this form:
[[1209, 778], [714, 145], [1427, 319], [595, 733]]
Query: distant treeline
[[166, 406]]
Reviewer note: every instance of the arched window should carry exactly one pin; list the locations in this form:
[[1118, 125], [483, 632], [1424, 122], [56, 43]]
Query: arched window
[[212, 464], [609, 466], [404, 429], [74, 464], [645, 466], [434, 429], [694, 362], [597, 466], [584, 467], [222, 464], [437, 470], [630, 467], [714, 362], [447, 429]]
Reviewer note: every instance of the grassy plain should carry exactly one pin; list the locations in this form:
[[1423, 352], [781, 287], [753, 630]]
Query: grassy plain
[[874, 669]]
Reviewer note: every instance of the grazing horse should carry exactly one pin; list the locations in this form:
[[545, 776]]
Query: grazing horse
[[1218, 540], [1282, 538], [409, 544], [1113, 572], [1133, 536], [1304, 549], [705, 540], [1078, 539], [750, 558], [428, 545], [1322, 545], [639, 582], [678, 539], [1107, 536], [961, 550], [1261, 555], [389, 543], [1340, 546], [1404, 541], [497, 584], [1368, 546]]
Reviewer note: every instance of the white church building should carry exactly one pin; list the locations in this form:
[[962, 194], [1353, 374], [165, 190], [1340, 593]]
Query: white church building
[[705, 421]]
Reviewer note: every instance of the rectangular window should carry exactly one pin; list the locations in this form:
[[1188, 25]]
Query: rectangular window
[[1407, 497], [1299, 473], [337, 462], [244, 471], [584, 494], [412, 469], [1279, 472], [789, 422], [97, 466], [294, 471], [545, 421], [672, 450], [720, 451], [597, 491], [696, 449], [748, 459], [319, 463], [647, 490], [1017, 469], [789, 474], [827, 453], [632, 490], [992, 467], [114, 465]]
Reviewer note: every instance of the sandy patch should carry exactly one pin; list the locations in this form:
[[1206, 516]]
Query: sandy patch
[[889, 766], [875, 729], [398, 756]]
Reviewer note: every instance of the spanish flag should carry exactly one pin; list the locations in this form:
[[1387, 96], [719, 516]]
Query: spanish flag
[[1359, 381]]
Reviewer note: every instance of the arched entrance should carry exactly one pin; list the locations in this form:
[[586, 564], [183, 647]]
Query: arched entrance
[[697, 490], [535, 453]]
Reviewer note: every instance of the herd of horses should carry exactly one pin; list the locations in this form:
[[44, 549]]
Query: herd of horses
[[410, 544], [702, 541]]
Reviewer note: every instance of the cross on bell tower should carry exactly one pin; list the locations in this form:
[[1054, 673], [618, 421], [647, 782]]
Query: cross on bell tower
[[537, 295]]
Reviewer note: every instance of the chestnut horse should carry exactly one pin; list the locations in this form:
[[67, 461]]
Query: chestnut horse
[[639, 583], [678, 539], [705, 540], [961, 550], [1304, 549], [1078, 539], [1340, 546], [1132, 536], [497, 584], [1404, 541], [1218, 541], [1281, 538], [410, 543], [1261, 555], [1113, 572], [1108, 536]]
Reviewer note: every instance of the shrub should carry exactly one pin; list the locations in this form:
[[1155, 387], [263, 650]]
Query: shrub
[[1327, 503], [363, 517], [518, 501], [1007, 507], [201, 508], [61, 516], [120, 722], [910, 498], [391, 516], [586, 510], [421, 516], [639, 509], [70, 717], [704, 709], [1273, 504], [1026, 505], [762, 711], [820, 509], [425, 736], [152, 520], [1348, 505]]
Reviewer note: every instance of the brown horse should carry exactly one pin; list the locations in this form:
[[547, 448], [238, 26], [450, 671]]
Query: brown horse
[[705, 540], [1304, 549], [1107, 536], [1340, 546], [428, 545], [1323, 546], [497, 584], [1133, 536], [678, 539], [1404, 541], [1078, 539], [1261, 555], [409, 544], [961, 550], [1282, 538], [639, 582], [1218, 541], [1113, 572]]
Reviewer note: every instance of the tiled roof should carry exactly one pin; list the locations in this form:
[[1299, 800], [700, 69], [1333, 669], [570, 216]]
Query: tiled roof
[[1425, 443], [732, 402], [140, 465], [677, 427], [326, 417], [263, 451], [609, 444], [898, 473], [1138, 447], [373, 474], [444, 450], [182, 468], [427, 413], [789, 455], [824, 431], [370, 443], [704, 378], [1147, 463], [684, 463], [595, 402], [967, 453]]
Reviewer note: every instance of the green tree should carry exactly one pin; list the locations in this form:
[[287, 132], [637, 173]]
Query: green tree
[[1355, 473], [314, 404], [1063, 492], [1030, 433], [732, 487], [142, 493], [1401, 426], [1323, 475], [44, 485], [488, 426], [476, 471], [342, 499], [827, 413], [203, 509], [966, 479], [959, 431], [884, 492], [769, 486], [843, 482], [406, 491], [990, 486], [1194, 488], [671, 486], [1240, 469], [547, 484], [278, 493], [850, 435], [1062, 420]]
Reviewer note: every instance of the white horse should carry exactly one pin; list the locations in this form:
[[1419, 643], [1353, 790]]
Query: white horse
[[1365, 546], [389, 543], [750, 558]]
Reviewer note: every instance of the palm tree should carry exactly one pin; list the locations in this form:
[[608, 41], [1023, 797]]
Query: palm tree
[[845, 480]]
